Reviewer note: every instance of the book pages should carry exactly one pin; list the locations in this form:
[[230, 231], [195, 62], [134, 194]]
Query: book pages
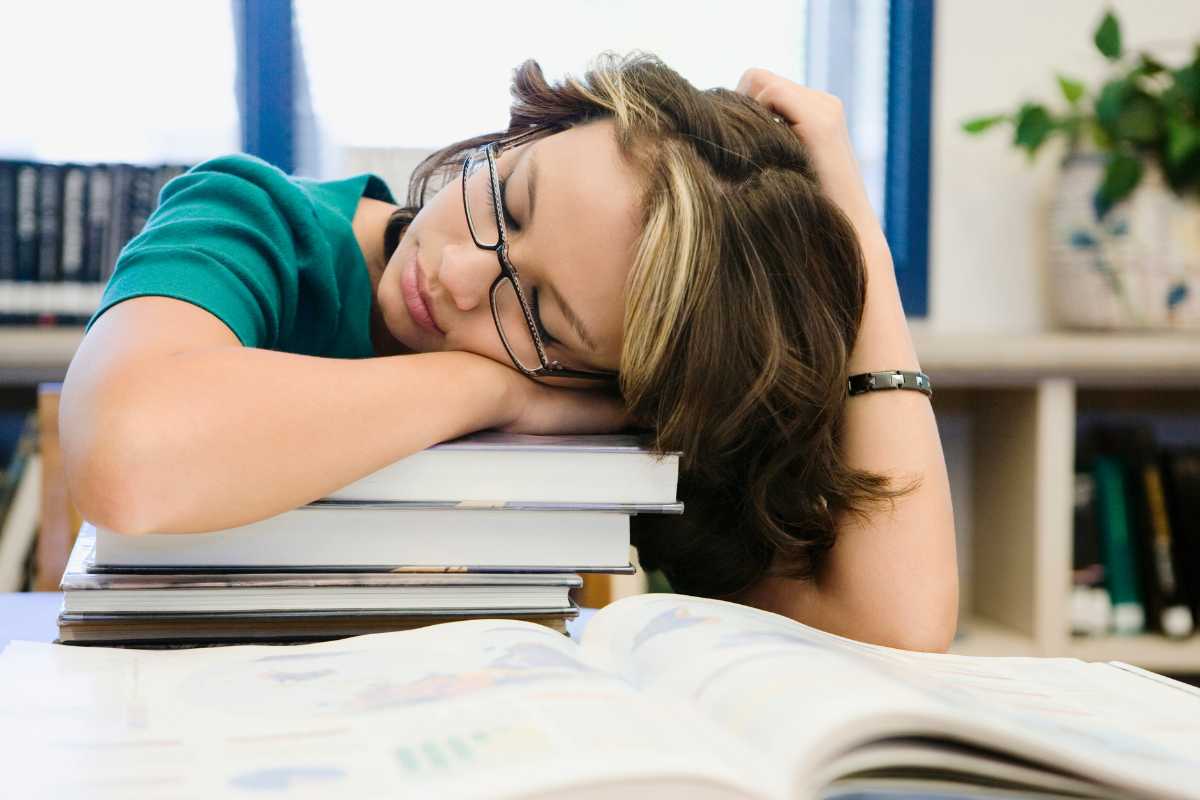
[[809, 697], [468, 709]]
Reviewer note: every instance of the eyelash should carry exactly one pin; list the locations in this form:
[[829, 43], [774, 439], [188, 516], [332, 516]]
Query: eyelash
[[508, 218], [533, 295], [537, 318]]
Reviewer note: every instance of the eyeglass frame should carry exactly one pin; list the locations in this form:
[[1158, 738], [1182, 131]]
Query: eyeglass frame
[[549, 368]]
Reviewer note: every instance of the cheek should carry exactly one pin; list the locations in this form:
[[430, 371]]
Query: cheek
[[475, 332]]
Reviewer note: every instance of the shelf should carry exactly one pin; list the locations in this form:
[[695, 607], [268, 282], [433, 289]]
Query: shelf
[[980, 637], [952, 359], [1155, 653], [1096, 359], [31, 354]]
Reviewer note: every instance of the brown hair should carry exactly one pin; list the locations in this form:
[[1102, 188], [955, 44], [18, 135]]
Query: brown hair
[[741, 309]]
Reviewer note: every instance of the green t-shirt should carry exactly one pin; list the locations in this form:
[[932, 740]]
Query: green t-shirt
[[273, 256]]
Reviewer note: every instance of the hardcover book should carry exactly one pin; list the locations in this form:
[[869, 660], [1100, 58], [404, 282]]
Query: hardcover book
[[491, 466], [248, 593], [664, 696]]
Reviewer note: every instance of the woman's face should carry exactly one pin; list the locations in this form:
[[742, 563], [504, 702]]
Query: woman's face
[[573, 213]]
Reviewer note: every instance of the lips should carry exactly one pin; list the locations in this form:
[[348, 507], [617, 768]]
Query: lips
[[416, 299]]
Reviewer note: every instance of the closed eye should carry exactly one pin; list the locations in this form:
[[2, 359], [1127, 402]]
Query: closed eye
[[547, 338], [509, 221]]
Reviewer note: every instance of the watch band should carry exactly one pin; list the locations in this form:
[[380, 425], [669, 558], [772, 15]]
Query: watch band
[[890, 379]]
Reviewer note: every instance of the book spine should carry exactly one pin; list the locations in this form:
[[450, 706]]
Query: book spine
[[1174, 617], [74, 302], [141, 201], [1090, 609], [1181, 472], [49, 223], [99, 216], [18, 308], [1120, 567], [8, 221], [27, 221], [118, 220]]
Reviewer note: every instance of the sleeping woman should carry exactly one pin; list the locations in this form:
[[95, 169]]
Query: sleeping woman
[[631, 251]]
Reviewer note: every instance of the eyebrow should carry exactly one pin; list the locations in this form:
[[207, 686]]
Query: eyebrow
[[575, 322]]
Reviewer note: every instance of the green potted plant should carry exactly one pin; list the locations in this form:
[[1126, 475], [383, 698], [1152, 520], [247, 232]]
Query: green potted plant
[[1126, 221]]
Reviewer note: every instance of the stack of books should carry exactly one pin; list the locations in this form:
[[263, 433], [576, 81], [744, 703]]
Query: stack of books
[[491, 525]]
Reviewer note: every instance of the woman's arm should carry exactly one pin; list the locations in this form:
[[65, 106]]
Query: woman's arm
[[169, 425], [891, 578]]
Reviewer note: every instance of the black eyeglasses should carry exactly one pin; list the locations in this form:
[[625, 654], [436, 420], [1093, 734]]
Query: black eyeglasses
[[516, 318]]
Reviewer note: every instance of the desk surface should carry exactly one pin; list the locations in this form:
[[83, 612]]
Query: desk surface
[[33, 616]]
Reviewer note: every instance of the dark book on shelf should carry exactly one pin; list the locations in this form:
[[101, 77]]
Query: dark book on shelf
[[1181, 474], [49, 222], [74, 223], [99, 216], [1091, 609], [8, 221], [27, 222]]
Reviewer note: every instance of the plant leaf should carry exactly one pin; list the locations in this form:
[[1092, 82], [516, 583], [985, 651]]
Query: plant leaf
[[1140, 119], [1033, 126], [1121, 176], [1110, 102], [1108, 37], [1183, 140], [1071, 89], [981, 124]]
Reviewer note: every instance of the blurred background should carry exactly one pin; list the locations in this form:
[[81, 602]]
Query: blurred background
[[1035, 165]]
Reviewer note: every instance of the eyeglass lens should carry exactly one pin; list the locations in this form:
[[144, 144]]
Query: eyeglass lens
[[481, 202], [514, 330]]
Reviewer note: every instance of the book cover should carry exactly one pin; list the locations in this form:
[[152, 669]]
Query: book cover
[[331, 539], [514, 468]]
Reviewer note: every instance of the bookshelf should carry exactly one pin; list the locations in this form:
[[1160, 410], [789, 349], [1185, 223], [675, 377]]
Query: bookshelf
[[1019, 397]]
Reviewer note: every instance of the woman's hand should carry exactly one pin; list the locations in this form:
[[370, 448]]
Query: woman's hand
[[535, 407], [819, 119]]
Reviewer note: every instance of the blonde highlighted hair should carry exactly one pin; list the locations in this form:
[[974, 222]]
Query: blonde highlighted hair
[[741, 308]]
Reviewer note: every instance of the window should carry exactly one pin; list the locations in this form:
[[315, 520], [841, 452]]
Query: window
[[142, 82]]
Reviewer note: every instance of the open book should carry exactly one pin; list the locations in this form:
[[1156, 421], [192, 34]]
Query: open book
[[669, 695]]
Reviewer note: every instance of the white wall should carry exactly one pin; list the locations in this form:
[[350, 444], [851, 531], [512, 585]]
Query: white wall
[[987, 203]]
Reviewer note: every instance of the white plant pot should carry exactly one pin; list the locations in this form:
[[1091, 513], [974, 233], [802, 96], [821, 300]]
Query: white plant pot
[[1138, 268]]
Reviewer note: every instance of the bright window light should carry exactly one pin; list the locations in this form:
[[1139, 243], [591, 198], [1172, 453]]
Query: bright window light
[[123, 80]]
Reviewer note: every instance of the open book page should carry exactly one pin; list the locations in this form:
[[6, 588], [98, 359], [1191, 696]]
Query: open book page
[[479, 708], [808, 697]]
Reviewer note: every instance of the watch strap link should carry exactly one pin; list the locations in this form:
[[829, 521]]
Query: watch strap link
[[890, 379]]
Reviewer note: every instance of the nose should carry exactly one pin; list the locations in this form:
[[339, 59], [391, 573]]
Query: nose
[[467, 273]]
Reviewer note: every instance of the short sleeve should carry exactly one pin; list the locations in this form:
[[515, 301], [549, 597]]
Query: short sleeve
[[237, 237]]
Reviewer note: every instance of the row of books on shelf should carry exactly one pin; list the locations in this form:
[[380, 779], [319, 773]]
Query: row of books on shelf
[[62, 227], [492, 525], [1136, 562]]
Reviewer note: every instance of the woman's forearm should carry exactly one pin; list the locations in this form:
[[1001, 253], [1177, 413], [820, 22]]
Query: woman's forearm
[[894, 571], [221, 437]]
